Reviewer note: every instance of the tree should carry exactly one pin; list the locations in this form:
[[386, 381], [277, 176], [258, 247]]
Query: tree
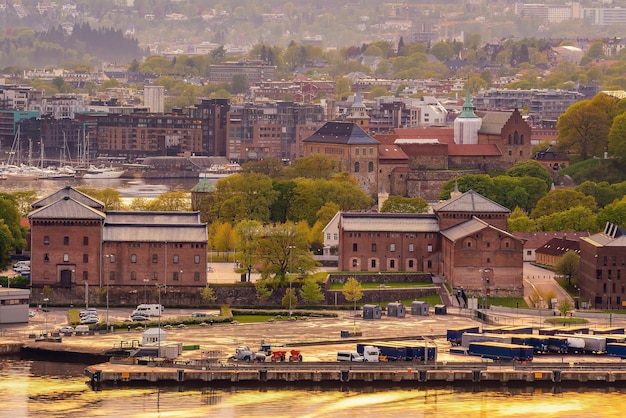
[[290, 299], [564, 307], [311, 291], [577, 218], [314, 167], [263, 291], [614, 213], [240, 84], [247, 234], [208, 294], [110, 197], [617, 138], [558, 199], [353, 292], [443, 51], [583, 128], [531, 168], [23, 200], [401, 204], [170, 202], [520, 222], [568, 266], [225, 238], [245, 196]]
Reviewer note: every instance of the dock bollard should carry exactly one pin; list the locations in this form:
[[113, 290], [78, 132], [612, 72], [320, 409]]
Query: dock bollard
[[181, 375], [422, 376], [263, 375], [556, 376], [475, 375], [345, 375]]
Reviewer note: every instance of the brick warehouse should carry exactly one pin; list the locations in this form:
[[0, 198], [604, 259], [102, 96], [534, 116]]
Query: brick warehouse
[[464, 240], [75, 243]]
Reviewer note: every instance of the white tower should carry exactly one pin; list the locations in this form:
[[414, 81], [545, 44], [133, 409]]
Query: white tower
[[467, 124]]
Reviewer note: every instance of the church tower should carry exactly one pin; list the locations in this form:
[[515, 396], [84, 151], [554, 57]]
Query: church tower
[[467, 124], [358, 113]]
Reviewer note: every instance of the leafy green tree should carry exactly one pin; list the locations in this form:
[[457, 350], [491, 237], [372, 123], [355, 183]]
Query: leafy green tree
[[208, 294], [283, 248], [564, 307], [23, 200], [617, 138], [531, 168], [520, 222], [270, 167], [171, 201], [577, 218], [614, 213], [568, 266], [245, 196], [110, 197], [311, 292], [247, 234], [480, 183], [443, 51], [225, 239], [290, 300], [401, 204], [263, 291], [558, 199], [353, 292], [240, 84], [313, 167], [583, 128], [602, 192]]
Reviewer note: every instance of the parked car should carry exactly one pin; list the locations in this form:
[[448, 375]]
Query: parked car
[[200, 314], [31, 314], [88, 312], [66, 330], [138, 318], [89, 320]]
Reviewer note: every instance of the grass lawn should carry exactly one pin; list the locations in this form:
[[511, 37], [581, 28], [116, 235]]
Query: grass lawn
[[247, 319], [506, 302], [564, 320], [339, 286]]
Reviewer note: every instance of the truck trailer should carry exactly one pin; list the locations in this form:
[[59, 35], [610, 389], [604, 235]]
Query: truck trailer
[[455, 335], [501, 351]]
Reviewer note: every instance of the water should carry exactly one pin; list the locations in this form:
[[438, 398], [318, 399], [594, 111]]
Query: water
[[45, 389]]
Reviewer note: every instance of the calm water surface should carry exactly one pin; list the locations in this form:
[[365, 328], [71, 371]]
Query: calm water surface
[[44, 389]]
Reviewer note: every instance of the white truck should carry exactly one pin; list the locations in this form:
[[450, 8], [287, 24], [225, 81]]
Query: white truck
[[244, 353], [148, 309], [370, 353]]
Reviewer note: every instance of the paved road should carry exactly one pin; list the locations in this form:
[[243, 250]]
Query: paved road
[[542, 280]]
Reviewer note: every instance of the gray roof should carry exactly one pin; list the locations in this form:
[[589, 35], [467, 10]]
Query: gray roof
[[493, 122], [603, 240], [152, 218], [470, 201], [66, 208], [346, 133], [155, 233], [68, 191], [470, 227], [389, 222]]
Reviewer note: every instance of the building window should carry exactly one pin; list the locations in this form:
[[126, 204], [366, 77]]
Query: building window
[[85, 240], [111, 258], [529, 252], [66, 257], [355, 247], [392, 247], [328, 236], [356, 151], [46, 240], [410, 264], [429, 264], [357, 167], [371, 151], [355, 263], [335, 236], [111, 275], [175, 259], [133, 275], [370, 166], [196, 259], [373, 263], [85, 275], [392, 264], [469, 244], [85, 258], [133, 258], [66, 240], [155, 258], [429, 248], [411, 248], [488, 245], [196, 276], [175, 276], [373, 247], [46, 258]]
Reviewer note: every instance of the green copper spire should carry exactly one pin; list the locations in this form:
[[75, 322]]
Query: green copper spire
[[468, 108]]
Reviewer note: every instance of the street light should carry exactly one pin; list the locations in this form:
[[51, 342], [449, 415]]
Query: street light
[[159, 286], [145, 289], [46, 316], [110, 257], [291, 247]]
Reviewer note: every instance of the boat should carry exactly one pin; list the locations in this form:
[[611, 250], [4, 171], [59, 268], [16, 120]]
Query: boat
[[218, 171], [138, 189], [103, 173], [57, 173]]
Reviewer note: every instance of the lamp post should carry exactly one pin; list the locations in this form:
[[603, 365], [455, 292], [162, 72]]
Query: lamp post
[[110, 257], [46, 300], [291, 247], [159, 286], [145, 289]]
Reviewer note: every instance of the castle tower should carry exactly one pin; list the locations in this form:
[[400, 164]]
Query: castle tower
[[467, 124], [358, 113]]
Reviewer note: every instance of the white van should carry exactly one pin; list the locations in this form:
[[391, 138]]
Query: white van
[[349, 356], [148, 309]]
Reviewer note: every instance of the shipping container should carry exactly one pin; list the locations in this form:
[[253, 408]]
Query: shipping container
[[471, 337], [616, 349], [455, 335], [501, 351]]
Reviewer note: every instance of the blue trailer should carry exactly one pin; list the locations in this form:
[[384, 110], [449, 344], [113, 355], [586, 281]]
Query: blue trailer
[[616, 350], [455, 335], [558, 345], [501, 351], [539, 343], [608, 330], [516, 330]]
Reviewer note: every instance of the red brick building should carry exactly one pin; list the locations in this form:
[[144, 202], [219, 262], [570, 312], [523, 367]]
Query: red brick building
[[602, 271], [465, 240], [74, 242]]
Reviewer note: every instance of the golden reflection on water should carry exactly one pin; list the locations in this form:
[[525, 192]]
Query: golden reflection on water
[[39, 389]]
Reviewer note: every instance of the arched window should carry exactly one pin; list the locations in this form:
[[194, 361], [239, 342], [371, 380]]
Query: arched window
[[509, 139], [521, 139], [356, 167], [515, 138]]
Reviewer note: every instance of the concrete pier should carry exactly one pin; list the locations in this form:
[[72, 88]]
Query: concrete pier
[[385, 373]]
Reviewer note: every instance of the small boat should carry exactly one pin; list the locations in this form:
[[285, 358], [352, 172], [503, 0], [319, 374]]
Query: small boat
[[103, 173], [143, 190]]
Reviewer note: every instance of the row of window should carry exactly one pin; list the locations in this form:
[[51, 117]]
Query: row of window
[[176, 276], [133, 258], [609, 274], [391, 263], [392, 247], [66, 240], [389, 235]]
